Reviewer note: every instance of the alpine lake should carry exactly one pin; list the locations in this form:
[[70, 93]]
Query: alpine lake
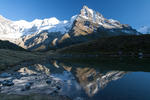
[[78, 79]]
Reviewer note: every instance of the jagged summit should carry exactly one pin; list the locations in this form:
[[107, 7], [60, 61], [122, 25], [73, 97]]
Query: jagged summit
[[97, 18], [90, 14], [86, 12], [89, 21]]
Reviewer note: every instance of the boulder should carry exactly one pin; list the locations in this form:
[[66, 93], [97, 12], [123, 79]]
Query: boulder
[[7, 83], [58, 87], [48, 81], [27, 86], [17, 75]]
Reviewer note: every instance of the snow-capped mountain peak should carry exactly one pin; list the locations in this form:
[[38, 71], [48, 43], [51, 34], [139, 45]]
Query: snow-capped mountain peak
[[90, 14], [97, 18], [87, 12]]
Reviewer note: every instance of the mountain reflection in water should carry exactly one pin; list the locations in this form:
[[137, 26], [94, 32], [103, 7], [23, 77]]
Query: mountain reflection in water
[[74, 80]]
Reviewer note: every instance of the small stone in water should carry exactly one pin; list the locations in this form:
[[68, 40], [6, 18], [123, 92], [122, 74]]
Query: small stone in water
[[7, 83], [58, 87], [5, 75], [48, 81], [27, 86]]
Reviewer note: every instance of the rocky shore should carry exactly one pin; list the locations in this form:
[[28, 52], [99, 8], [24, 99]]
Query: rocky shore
[[18, 84]]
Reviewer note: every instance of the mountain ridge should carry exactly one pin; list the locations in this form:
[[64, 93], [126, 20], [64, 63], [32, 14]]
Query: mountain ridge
[[52, 33]]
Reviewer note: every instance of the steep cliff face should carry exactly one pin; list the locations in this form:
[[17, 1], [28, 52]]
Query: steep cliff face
[[52, 33]]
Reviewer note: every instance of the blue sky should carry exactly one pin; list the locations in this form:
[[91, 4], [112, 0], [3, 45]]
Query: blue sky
[[133, 12]]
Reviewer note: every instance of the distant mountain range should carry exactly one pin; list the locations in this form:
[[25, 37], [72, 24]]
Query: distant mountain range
[[52, 33]]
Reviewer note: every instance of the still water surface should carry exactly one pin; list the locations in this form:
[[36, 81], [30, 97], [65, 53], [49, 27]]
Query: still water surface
[[81, 81]]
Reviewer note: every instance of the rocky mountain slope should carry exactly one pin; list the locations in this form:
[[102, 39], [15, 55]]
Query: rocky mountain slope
[[52, 33]]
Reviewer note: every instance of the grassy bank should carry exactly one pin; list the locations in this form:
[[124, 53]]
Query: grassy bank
[[9, 58], [132, 44], [10, 46]]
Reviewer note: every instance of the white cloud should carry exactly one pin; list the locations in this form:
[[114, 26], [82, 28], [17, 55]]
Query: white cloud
[[144, 30]]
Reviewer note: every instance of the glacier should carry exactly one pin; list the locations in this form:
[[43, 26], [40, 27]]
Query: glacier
[[17, 29]]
